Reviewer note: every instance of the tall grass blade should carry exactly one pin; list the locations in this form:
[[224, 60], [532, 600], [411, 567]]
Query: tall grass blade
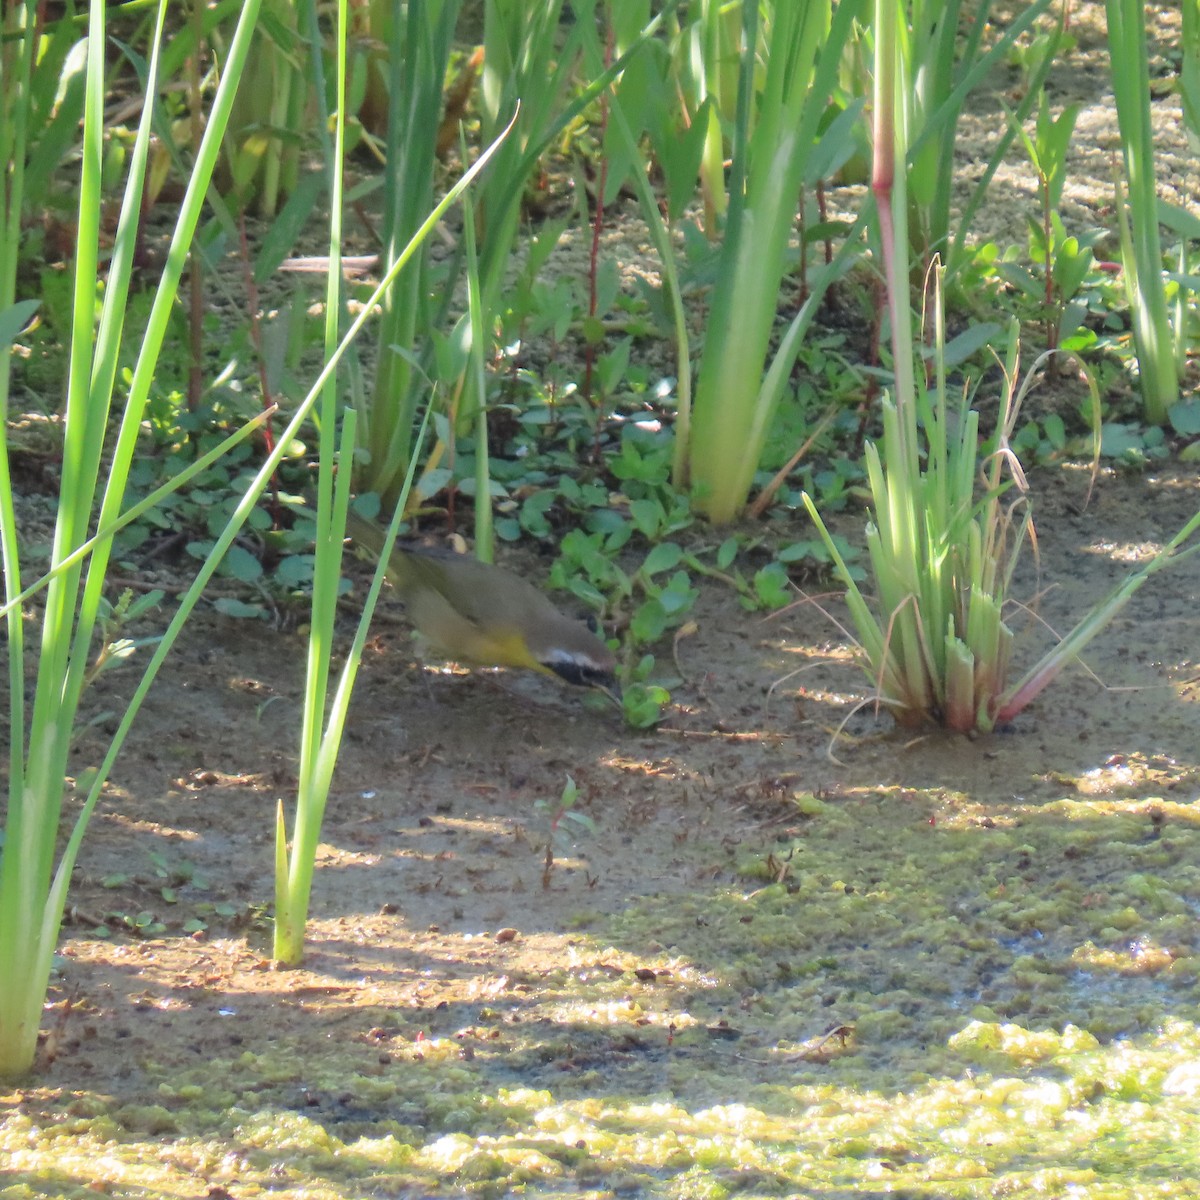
[[294, 869], [324, 719], [731, 406], [419, 38], [30, 900], [1140, 243]]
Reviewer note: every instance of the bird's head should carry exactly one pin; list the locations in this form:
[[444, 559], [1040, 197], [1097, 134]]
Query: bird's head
[[582, 660]]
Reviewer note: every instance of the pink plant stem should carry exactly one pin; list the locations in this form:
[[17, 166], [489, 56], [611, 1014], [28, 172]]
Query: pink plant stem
[[589, 356]]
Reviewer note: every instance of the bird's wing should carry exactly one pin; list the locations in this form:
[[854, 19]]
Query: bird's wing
[[481, 593]]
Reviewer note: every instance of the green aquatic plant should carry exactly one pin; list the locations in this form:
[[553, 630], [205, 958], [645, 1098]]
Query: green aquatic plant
[[947, 525]]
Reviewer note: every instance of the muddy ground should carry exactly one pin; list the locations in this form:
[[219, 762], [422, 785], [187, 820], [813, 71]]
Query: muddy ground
[[741, 978]]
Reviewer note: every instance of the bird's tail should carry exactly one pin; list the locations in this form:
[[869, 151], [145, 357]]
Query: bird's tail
[[368, 534]]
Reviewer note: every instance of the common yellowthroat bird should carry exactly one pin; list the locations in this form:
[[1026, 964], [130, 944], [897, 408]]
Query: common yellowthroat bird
[[478, 613]]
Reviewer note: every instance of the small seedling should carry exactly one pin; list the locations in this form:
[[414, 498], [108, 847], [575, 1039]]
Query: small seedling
[[113, 618], [566, 823]]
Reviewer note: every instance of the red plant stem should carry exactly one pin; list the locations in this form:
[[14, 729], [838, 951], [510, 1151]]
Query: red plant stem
[[589, 354], [883, 164], [823, 217], [268, 434], [871, 391], [800, 299], [823, 214], [885, 135], [881, 185], [1047, 235], [195, 385], [883, 172]]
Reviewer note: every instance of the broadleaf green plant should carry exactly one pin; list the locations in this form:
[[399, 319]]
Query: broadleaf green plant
[[1065, 260], [653, 598], [42, 81]]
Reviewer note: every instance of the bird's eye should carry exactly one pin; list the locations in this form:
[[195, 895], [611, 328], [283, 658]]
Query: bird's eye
[[581, 673]]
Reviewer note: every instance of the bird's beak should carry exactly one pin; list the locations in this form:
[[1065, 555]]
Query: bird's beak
[[613, 692]]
